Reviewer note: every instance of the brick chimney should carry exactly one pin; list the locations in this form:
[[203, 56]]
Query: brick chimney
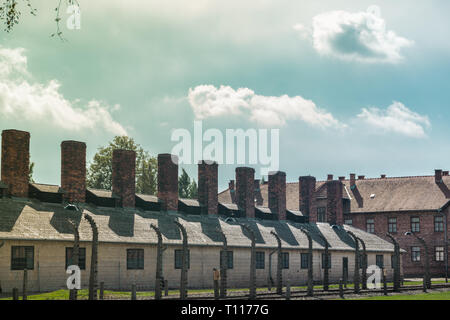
[[330, 177], [16, 162], [168, 181], [208, 187], [73, 171], [445, 173], [258, 196], [335, 210], [438, 176], [383, 176], [277, 194], [306, 190], [245, 190], [361, 177], [341, 179], [124, 177]]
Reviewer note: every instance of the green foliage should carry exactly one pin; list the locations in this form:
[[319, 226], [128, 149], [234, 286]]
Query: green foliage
[[99, 173], [10, 12], [30, 173], [186, 188]]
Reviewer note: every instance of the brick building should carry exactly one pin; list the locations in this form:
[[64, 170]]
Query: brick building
[[36, 233], [379, 206]]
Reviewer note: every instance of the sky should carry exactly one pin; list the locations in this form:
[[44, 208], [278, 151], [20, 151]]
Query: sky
[[353, 86]]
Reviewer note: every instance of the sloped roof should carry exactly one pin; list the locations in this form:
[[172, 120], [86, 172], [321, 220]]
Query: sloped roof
[[103, 193], [391, 194], [29, 220], [48, 188], [148, 198]]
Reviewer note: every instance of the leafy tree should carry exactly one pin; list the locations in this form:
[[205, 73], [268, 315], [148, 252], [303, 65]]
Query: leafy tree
[[186, 188], [30, 172], [99, 173]]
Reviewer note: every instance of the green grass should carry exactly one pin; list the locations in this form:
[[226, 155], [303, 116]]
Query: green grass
[[83, 294], [422, 296]]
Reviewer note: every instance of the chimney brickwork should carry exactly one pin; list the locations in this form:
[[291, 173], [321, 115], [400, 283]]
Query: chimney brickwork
[[16, 162], [73, 171], [277, 194], [124, 176], [168, 181], [335, 210], [307, 189], [208, 187], [245, 190]]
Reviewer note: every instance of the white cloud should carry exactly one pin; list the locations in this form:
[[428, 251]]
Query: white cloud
[[23, 99], [396, 118], [208, 101], [360, 36]]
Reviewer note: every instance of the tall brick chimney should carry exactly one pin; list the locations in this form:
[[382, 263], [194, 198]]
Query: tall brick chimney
[[438, 176], [168, 181], [124, 176], [361, 177], [208, 187], [335, 210], [307, 189], [383, 176], [341, 179], [330, 177], [245, 190], [16, 162], [277, 194], [73, 171]]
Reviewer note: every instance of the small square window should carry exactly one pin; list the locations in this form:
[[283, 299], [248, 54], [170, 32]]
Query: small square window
[[260, 264], [415, 254], [323, 261], [415, 224], [229, 258], [179, 259], [348, 222], [304, 260], [438, 223], [22, 258], [285, 260], [135, 259], [81, 257], [370, 225], [439, 254]]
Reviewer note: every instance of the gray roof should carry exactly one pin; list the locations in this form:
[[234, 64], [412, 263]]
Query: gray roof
[[190, 202], [33, 220], [147, 197], [48, 188]]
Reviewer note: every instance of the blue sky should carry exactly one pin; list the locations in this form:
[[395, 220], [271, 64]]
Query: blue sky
[[351, 89]]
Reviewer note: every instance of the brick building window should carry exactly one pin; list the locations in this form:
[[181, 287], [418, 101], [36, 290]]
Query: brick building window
[[304, 260], [323, 261], [321, 211], [380, 261], [81, 257], [370, 225], [438, 223], [439, 254], [260, 264], [392, 225], [135, 259], [415, 254], [179, 259], [285, 260], [22, 257], [415, 224], [229, 258], [348, 222]]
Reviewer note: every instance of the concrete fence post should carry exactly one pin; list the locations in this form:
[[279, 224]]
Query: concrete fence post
[[25, 281]]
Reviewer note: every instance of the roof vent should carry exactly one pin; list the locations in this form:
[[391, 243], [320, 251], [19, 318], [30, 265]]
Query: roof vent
[[71, 207]]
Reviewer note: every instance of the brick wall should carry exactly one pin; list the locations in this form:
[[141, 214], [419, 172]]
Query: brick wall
[[168, 181], [277, 194], [73, 171], [307, 187], [124, 176], [245, 190], [208, 187], [16, 161], [432, 238]]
